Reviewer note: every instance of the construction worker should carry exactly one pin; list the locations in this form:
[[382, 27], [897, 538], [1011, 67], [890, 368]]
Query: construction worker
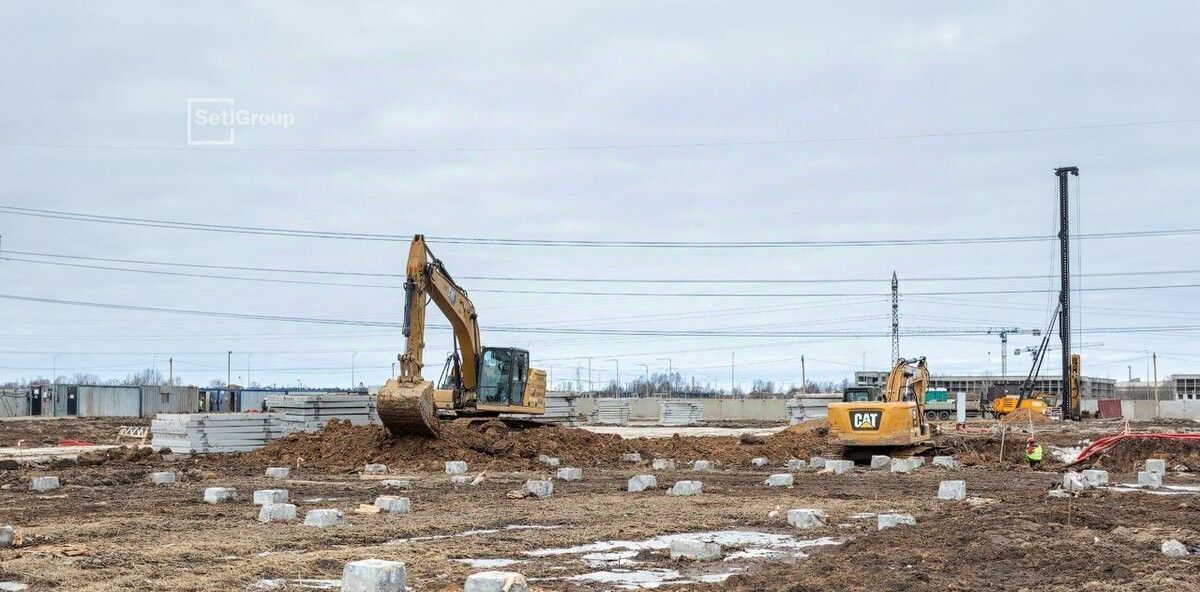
[[1034, 453]]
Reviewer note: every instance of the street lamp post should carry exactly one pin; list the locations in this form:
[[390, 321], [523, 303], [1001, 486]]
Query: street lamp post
[[618, 375], [670, 377], [646, 369], [353, 358]]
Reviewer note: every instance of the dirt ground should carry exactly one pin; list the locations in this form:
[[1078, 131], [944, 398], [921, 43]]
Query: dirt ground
[[49, 431], [107, 528]]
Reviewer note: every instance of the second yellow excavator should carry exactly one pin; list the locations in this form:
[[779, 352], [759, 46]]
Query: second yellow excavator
[[477, 381], [869, 421]]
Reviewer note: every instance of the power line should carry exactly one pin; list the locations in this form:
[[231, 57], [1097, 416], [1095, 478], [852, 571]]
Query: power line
[[266, 231], [605, 147]]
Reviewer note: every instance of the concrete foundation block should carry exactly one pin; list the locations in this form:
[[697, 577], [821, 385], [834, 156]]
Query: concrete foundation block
[[6, 536], [373, 575], [325, 517], [216, 495], [1174, 548], [460, 480], [270, 496], [395, 484], [890, 520], [952, 491], [1057, 493], [695, 550], [456, 467], [549, 461], [806, 517], [663, 464], [393, 504], [686, 488], [839, 467], [901, 465], [539, 489], [632, 457], [780, 480], [916, 461], [817, 462], [1095, 477], [946, 462], [760, 462], [375, 469], [43, 483], [1073, 482], [277, 513], [642, 483], [1156, 465], [880, 462], [796, 464], [702, 465], [163, 478], [570, 474], [496, 581], [1148, 479], [278, 472]]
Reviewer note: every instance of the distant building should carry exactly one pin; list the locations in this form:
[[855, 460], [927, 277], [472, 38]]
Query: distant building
[[978, 385]]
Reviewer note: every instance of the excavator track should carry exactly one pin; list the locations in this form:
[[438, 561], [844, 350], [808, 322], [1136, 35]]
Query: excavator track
[[408, 410]]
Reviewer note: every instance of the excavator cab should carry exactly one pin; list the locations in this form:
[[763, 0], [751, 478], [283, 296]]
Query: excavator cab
[[502, 375]]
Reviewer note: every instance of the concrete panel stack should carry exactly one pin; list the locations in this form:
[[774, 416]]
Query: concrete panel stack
[[561, 409], [611, 412], [810, 406], [213, 432], [310, 413], [680, 413]]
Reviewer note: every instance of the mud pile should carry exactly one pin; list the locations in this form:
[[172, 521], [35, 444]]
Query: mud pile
[[1025, 416], [341, 447], [1130, 455]]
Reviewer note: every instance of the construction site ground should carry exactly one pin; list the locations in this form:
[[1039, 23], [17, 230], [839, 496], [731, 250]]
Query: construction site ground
[[108, 528]]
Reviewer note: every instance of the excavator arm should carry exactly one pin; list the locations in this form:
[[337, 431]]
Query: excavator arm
[[428, 278]]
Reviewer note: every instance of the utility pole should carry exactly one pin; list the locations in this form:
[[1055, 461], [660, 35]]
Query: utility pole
[[646, 377], [670, 376], [803, 376], [353, 358], [1156, 403], [590, 387], [229, 370], [171, 372], [618, 376], [1064, 296], [895, 318], [732, 372]]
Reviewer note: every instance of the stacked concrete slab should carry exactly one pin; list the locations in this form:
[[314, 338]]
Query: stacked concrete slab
[[213, 432], [561, 409], [680, 413], [810, 406], [310, 413], [611, 412]]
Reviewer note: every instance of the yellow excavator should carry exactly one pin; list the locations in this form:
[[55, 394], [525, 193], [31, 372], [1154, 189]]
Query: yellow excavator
[[869, 421], [477, 382]]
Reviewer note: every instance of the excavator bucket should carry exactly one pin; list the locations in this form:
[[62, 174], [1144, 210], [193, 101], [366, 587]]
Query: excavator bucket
[[408, 410]]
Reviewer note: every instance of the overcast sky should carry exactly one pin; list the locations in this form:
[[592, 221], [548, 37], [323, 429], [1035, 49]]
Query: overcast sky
[[94, 119]]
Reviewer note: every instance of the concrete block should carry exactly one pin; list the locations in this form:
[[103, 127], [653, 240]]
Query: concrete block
[[549, 461], [642, 482], [632, 457], [1073, 481], [395, 484], [817, 462], [901, 465], [702, 465], [1057, 493], [496, 581], [278, 472], [375, 469], [780, 480], [216, 495], [839, 467], [539, 489], [270, 496], [373, 575], [890, 520], [880, 462], [1174, 548], [6, 536], [456, 467], [796, 464], [325, 517], [393, 504], [570, 474], [1148, 479], [277, 513], [952, 491], [806, 517], [1095, 477], [916, 461], [1157, 466], [760, 462], [163, 478], [695, 550], [459, 480], [686, 488], [43, 483], [663, 464], [946, 462]]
